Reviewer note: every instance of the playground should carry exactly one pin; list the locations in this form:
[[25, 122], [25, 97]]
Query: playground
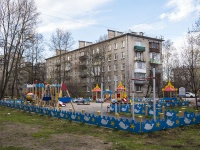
[[151, 114]]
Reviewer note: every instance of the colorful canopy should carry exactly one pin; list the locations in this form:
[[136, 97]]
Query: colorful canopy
[[120, 87], [96, 89], [169, 88]]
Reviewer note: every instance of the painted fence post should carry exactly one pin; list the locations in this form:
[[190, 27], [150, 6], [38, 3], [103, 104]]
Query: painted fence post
[[83, 111], [161, 116], [183, 111], [146, 110], [196, 112], [98, 113], [140, 120], [70, 110], [117, 116]]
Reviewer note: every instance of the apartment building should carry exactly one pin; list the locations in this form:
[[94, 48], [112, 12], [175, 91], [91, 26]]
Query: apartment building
[[110, 61]]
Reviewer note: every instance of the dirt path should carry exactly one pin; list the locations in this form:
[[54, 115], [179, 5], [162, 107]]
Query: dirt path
[[21, 136]]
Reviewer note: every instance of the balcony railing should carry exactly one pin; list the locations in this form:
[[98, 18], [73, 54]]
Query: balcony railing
[[82, 58], [139, 48], [139, 59], [155, 61], [141, 82]]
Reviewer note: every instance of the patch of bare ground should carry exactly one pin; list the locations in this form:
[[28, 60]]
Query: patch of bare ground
[[21, 135]]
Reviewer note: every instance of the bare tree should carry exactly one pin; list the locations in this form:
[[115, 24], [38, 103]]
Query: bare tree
[[18, 20], [191, 62], [168, 55], [35, 56], [61, 41]]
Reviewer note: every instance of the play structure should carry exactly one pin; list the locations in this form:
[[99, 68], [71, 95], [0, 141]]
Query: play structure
[[169, 92], [107, 94], [121, 93], [96, 91], [46, 94]]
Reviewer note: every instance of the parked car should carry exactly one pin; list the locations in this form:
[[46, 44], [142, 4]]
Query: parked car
[[189, 94]]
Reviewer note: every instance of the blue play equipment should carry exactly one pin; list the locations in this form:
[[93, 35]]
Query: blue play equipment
[[65, 99]]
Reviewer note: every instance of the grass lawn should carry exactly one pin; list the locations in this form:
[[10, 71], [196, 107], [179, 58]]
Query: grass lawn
[[39, 129]]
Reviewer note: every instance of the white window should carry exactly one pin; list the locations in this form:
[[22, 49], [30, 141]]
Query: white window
[[115, 77], [115, 56], [123, 55], [97, 49], [115, 67], [138, 88], [115, 45], [138, 43], [123, 66], [93, 51], [123, 44], [109, 68]]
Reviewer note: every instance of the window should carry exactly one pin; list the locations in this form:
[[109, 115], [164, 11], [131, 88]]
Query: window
[[109, 79], [115, 45], [97, 49], [115, 77], [138, 55], [140, 65], [155, 56], [103, 68], [138, 43], [138, 88], [109, 68], [109, 57], [154, 45], [123, 77], [109, 47], [140, 75], [93, 51], [123, 44], [115, 56], [123, 55], [123, 66], [115, 67]]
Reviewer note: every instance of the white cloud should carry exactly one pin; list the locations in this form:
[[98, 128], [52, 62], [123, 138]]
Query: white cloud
[[68, 14], [147, 27], [180, 9]]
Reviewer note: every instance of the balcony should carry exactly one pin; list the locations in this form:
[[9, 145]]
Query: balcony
[[156, 50], [155, 61], [82, 58], [139, 48], [154, 47], [83, 75], [58, 64], [82, 66], [140, 70]]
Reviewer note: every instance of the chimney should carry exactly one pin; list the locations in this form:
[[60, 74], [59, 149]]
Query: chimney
[[81, 44], [111, 34]]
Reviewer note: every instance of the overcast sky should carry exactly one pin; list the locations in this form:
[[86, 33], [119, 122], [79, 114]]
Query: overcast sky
[[88, 19]]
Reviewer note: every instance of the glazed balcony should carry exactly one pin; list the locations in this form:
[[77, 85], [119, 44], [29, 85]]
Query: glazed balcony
[[141, 82], [154, 47], [155, 61], [139, 48]]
